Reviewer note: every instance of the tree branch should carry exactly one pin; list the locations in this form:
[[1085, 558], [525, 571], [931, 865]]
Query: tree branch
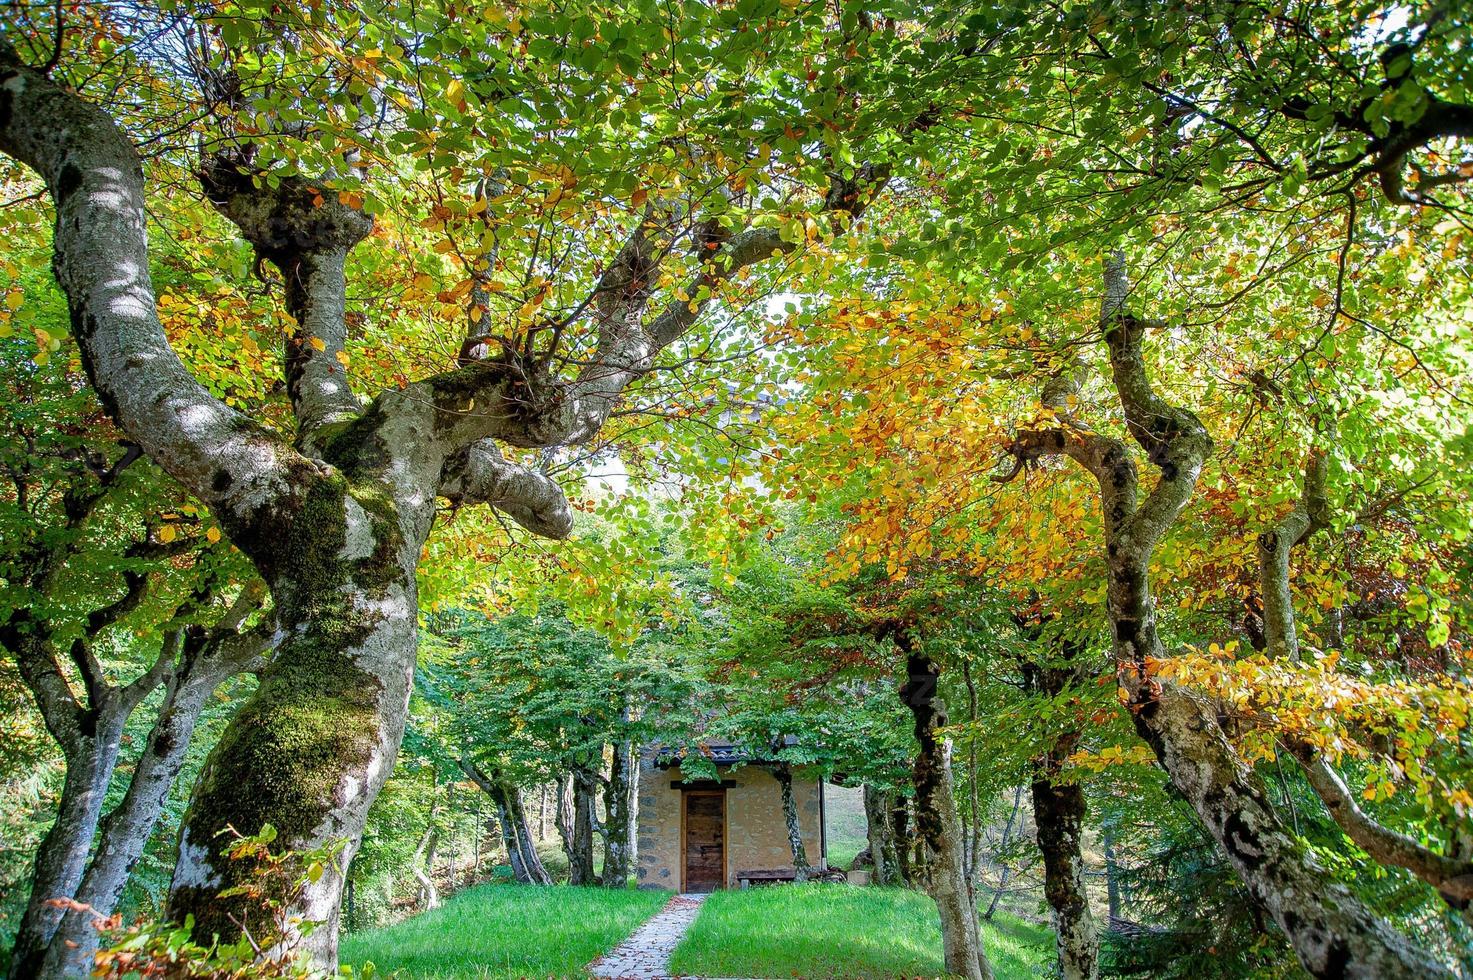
[[1310, 514], [1452, 877], [101, 264], [515, 399], [481, 475], [306, 231]]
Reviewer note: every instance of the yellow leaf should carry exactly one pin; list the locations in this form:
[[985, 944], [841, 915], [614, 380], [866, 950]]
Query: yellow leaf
[[213, 535], [14, 299], [167, 533], [318, 343], [342, 356]]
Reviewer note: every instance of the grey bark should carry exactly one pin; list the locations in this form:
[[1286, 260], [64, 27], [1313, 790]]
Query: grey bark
[[937, 823], [422, 865], [902, 839], [205, 663], [620, 813], [51, 939], [972, 827], [511, 816], [562, 817], [531, 860], [1333, 933], [783, 773], [880, 832], [61, 859], [585, 824], [1007, 869], [1112, 870]]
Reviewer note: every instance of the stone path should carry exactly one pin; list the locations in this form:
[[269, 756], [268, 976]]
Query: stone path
[[646, 954]]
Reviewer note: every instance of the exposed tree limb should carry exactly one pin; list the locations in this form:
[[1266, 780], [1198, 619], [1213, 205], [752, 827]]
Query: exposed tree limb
[[101, 263], [481, 475], [1452, 877]]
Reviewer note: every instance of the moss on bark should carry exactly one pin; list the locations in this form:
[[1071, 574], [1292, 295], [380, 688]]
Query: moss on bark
[[316, 720]]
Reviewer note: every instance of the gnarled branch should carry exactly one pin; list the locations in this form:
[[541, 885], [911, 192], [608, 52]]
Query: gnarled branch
[[95, 179], [481, 475]]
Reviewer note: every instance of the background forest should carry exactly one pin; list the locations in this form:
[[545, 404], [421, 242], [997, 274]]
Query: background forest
[[1050, 423]]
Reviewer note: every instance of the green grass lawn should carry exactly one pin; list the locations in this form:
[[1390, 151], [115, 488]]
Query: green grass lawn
[[845, 829], [839, 931], [505, 931]]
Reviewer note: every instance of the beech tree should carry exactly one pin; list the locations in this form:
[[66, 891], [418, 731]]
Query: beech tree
[[113, 593], [334, 514]]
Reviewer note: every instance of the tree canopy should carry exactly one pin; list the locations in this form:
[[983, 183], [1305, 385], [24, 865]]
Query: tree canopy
[[948, 398]]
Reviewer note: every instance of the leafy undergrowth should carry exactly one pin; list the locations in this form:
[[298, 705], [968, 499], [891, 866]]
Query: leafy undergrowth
[[503, 931], [838, 931]]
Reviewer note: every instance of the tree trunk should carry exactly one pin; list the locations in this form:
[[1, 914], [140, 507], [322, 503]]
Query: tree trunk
[[1059, 814], [1002, 845], [585, 819], [784, 775], [542, 812], [531, 860], [879, 830], [511, 816], [312, 748], [125, 831], [621, 810], [1333, 932], [422, 866], [1112, 870], [937, 823], [901, 838], [452, 853], [61, 860], [562, 817], [972, 852]]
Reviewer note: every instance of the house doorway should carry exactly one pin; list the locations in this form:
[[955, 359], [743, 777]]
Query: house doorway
[[704, 821]]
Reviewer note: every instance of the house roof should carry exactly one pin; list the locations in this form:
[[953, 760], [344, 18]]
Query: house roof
[[720, 752]]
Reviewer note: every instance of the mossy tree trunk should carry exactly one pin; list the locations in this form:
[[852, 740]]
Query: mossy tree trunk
[[937, 824], [620, 811], [311, 749], [783, 772], [585, 825]]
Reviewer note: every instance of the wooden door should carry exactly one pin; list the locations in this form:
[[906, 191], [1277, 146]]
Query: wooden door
[[705, 840]]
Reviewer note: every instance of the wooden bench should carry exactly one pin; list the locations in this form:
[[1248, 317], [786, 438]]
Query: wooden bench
[[764, 876]]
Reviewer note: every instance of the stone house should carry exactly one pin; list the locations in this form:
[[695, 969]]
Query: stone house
[[707, 834]]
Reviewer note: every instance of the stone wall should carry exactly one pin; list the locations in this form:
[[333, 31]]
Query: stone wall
[[756, 836]]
